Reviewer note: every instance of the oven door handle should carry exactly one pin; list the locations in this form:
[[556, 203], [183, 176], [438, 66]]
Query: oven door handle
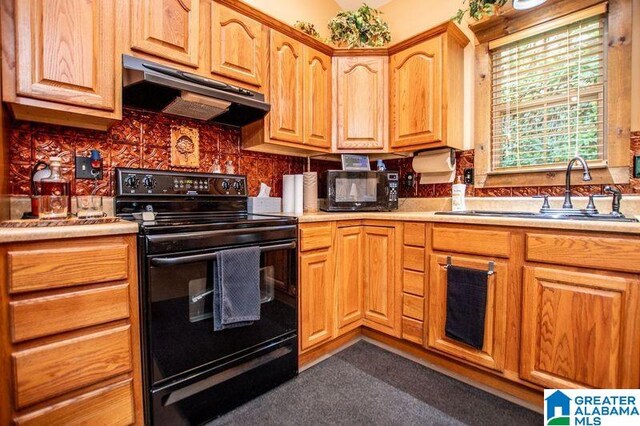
[[171, 261]]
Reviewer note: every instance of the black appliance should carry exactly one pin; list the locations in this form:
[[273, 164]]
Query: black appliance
[[156, 87], [192, 374], [360, 191]]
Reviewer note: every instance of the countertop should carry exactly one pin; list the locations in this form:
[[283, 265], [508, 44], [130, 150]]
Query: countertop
[[430, 216], [9, 235]]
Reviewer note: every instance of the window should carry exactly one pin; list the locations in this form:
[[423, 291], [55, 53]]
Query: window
[[548, 98]]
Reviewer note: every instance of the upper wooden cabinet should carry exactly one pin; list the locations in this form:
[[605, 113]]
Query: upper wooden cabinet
[[427, 92], [285, 89], [580, 329], [238, 46], [361, 103], [168, 29], [317, 99], [60, 55]]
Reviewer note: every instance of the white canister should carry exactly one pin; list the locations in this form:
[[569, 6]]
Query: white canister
[[458, 191]]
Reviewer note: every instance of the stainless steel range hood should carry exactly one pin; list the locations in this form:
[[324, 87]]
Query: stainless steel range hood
[[156, 87]]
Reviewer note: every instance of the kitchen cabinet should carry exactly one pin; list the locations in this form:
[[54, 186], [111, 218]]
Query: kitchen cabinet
[[60, 56], [72, 340], [167, 29], [492, 354], [580, 329], [316, 299], [380, 304], [361, 103], [238, 46], [317, 99], [349, 277], [286, 88], [426, 80], [413, 282]]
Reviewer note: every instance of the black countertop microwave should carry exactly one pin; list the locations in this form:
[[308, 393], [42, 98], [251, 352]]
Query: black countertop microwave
[[361, 191]]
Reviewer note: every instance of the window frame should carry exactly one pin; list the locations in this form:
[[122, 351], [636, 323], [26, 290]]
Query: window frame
[[617, 121]]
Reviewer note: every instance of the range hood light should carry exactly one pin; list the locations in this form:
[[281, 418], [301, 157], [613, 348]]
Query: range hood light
[[526, 4]]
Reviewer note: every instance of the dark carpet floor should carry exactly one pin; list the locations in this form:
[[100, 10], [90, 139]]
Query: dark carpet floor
[[367, 385]]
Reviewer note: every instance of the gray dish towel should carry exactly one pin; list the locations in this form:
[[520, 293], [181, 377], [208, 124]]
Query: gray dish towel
[[236, 288]]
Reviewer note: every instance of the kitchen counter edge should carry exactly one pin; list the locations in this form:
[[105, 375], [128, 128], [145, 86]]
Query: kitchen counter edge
[[13, 235]]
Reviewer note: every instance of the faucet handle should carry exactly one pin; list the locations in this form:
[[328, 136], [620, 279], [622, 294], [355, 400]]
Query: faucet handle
[[591, 206], [617, 197], [545, 202]]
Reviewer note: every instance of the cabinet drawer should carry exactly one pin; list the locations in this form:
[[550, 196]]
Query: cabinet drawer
[[315, 236], [413, 258], [413, 307], [412, 330], [616, 254], [413, 282], [472, 241], [44, 316], [111, 405], [414, 234], [63, 267], [56, 368]]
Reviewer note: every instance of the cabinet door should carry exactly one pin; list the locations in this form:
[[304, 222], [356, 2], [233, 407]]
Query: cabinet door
[[379, 278], [349, 269], [580, 330], [317, 99], [65, 51], [238, 46], [416, 94], [492, 353], [285, 89], [362, 99], [316, 299], [168, 29]]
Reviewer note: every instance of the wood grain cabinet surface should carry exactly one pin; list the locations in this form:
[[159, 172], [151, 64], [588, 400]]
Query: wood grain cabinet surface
[[168, 29], [316, 298], [317, 99], [70, 331], [580, 329], [239, 46], [349, 283], [361, 101]]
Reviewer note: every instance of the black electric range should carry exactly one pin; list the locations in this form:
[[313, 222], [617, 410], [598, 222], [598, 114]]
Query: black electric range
[[192, 374]]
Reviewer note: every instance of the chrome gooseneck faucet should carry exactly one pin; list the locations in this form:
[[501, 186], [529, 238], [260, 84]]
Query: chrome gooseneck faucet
[[586, 176]]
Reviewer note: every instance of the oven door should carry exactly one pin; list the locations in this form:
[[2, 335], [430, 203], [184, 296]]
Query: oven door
[[356, 191], [179, 321]]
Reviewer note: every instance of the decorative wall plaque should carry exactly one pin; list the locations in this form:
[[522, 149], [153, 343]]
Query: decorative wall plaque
[[185, 147]]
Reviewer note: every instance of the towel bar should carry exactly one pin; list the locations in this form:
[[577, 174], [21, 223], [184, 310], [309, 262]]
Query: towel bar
[[490, 270]]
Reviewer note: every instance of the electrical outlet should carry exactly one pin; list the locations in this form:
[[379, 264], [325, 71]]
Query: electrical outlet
[[84, 170], [409, 180], [636, 166], [468, 176]]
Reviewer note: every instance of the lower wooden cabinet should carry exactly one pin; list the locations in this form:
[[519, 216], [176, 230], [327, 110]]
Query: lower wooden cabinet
[[380, 267], [349, 278], [316, 298], [579, 329], [492, 354], [70, 332]]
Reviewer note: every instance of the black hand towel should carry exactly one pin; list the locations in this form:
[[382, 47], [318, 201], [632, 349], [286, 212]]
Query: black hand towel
[[466, 305], [236, 285]]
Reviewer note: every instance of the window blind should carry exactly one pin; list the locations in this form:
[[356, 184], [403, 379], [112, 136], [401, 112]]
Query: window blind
[[548, 94]]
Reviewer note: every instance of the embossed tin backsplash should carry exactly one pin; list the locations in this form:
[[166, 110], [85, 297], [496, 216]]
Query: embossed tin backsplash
[[143, 139]]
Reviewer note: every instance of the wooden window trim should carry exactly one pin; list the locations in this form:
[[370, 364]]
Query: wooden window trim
[[618, 92]]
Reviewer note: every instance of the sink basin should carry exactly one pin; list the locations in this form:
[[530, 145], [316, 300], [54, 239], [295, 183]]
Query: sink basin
[[535, 215]]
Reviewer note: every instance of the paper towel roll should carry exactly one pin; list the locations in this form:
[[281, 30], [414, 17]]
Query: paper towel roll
[[310, 192], [288, 193], [298, 199], [435, 166]]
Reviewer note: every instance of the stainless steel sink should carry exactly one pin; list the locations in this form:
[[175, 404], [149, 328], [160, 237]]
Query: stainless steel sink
[[535, 215]]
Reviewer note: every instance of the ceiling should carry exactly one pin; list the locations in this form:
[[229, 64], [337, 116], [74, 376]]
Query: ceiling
[[354, 4]]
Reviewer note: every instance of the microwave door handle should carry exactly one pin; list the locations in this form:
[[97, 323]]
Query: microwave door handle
[[182, 260]]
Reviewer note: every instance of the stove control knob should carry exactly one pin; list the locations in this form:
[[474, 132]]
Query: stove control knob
[[149, 182], [132, 182], [238, 185], [225, 185]]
